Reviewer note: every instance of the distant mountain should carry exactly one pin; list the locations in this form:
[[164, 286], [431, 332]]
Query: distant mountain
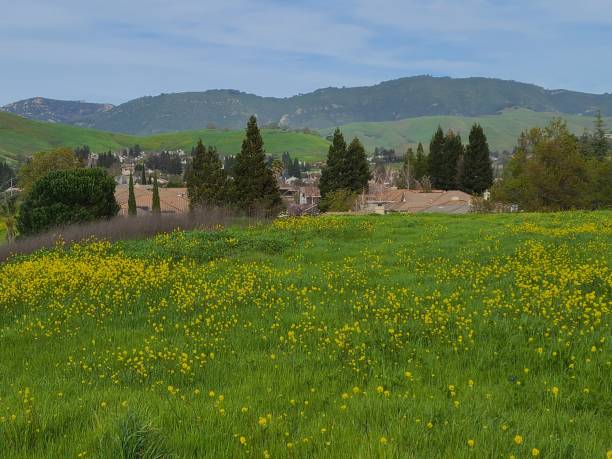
[[388, 101], [55, 111]]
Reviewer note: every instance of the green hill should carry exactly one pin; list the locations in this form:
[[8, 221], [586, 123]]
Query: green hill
[[502, 130], [20, 137]]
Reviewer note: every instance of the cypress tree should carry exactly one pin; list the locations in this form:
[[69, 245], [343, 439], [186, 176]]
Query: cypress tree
[[451, 157], [477, 173], [435, 163], [143, 179], [420, 164], [357, 167], [599, 142], [207, 183], [332, 175], [155, 204], [131, 198], [254, 182]]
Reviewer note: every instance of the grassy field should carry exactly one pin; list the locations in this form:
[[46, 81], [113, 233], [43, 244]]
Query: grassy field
[[383, 336], [501, 130], [20, 137]]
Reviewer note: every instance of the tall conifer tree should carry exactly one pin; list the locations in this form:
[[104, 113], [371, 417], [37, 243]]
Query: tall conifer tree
[[254, 182], [477, 173], [131, 198], [420, 165], [436, 158], [357, 167], [332, 177], [155, 203], [599, 142], [207, 183]]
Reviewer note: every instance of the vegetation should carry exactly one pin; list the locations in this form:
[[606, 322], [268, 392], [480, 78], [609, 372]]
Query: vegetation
[[65, 197], [132, 210], [207, 183], [7, 173], [43, 163], [380, 336], [550, 172], [476, 174], [155, 203], [254, 184]]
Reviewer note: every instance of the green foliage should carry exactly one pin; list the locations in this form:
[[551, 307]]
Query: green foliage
[[44, 162], [547, 172], [155, 203], [477, 173], [254, 184], [406, 175], [132, 211], [332, 174], [436, 158], [445, 161], [7, 173], [66, 197], [599, 142], [207, 183], [341, 200]]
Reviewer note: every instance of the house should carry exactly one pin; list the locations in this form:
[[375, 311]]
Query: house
[[412, 201], [309, 195], [172, 200]]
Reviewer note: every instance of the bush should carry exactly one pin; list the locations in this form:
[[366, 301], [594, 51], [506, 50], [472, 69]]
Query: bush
[[341, 200], [67, 197]]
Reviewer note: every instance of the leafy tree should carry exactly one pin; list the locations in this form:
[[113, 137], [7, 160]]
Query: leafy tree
[[340, 200], [155, 203], [45, 162], [254, 183], [436, 158], [477, 174], [207, 183], [420, 164], [65, 197], [406, 174], [131, 198], [547, 171]]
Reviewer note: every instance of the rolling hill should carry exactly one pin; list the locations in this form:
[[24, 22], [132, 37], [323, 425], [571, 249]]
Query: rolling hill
[[324, 108], [55, 111], [502, 130], [20, 137]]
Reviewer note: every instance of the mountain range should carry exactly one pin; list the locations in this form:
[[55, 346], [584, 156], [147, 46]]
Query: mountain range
[[324, 108]]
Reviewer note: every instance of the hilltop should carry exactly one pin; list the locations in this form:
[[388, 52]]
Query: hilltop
[[20, 137], [328, 107], [55, 111]]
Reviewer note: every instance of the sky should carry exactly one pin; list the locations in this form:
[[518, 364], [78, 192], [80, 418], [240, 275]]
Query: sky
[[116, 50]]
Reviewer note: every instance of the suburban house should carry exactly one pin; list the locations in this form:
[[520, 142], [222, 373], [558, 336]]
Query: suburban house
[[411, 201], [172, 200], [309, 195]]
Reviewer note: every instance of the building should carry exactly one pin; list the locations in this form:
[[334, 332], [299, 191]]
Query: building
[[309, 195], [413, 201], [172, 200]]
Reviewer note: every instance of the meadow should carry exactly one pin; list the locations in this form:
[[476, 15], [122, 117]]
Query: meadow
[[415, 336]]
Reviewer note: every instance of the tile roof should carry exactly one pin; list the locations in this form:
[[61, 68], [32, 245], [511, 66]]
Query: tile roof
[[172, 200]]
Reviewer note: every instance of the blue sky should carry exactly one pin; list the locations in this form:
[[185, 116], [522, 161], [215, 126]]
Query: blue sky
[[116, 50]]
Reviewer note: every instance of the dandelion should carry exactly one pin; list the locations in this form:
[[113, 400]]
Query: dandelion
[[518, 439], [383, 440], [243, 440], [535, 452], [471, 443]]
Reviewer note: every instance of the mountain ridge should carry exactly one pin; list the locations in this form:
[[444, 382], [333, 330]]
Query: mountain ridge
[[390, 100]]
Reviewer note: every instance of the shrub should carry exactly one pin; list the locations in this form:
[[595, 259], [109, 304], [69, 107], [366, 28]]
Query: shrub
[[340, 200], [67, 197]]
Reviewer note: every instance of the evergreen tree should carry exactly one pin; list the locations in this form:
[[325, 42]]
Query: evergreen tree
[[451, 158], [255, 185], [331, 176], [435, 163], [420, 163], [155, 203], [131, 198], [143, 179], [599, 142], [357, 167], [477, 174], [207, 183]]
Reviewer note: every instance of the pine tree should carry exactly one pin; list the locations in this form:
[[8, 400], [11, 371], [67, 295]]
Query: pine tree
[[332, 177], [435, 164], [477, 173], [207, 183], [131, 198], [599, 142], [255, 185], [420, 164], [155, 203], [357, 167]]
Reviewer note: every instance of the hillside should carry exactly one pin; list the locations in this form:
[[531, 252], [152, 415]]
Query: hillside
[[55, 111], [20, 137], [502, 130], [324, 108], [395, 336]]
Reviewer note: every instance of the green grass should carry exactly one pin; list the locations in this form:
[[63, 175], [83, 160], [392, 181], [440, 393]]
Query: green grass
[[502, 130], [378, 336], [20, 137]]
